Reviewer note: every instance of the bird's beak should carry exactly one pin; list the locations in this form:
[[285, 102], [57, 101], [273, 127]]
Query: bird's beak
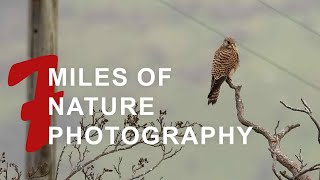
[[234, 47]]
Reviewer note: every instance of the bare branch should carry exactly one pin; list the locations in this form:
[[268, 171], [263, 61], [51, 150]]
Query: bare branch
[[284, 174], [286, 130], [117, 168], [273, 140], [275, 129], [312, 168], [240, 113], [274, 167], [299, 157], [307, 110]]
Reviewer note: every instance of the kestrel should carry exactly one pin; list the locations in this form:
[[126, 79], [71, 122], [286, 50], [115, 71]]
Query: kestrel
[[225, 63]]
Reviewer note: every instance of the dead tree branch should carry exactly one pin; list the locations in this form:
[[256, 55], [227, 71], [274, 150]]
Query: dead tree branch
[[307, 110], [298, 173]]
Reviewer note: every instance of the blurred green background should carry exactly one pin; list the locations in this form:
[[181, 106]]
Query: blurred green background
[[146, 33]]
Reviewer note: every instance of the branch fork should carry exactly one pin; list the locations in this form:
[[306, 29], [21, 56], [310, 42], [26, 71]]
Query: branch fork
[[274, 140]]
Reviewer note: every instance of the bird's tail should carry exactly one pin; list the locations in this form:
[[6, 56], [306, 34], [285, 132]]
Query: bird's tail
[[215, 89], [213, 95]]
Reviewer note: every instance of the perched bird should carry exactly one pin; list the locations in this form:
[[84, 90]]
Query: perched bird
[[225, 63]]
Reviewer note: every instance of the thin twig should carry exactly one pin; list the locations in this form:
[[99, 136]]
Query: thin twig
[[307, 110]]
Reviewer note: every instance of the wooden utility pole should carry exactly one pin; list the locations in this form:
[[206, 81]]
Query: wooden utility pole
[[43, 17]]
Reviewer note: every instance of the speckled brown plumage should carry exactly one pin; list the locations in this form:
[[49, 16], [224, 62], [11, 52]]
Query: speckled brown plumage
[[225, 63]]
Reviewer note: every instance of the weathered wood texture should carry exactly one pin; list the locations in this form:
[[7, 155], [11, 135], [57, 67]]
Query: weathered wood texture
[[43, 17]]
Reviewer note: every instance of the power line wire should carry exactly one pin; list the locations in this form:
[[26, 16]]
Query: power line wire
[[210, 28], [290, 18]]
